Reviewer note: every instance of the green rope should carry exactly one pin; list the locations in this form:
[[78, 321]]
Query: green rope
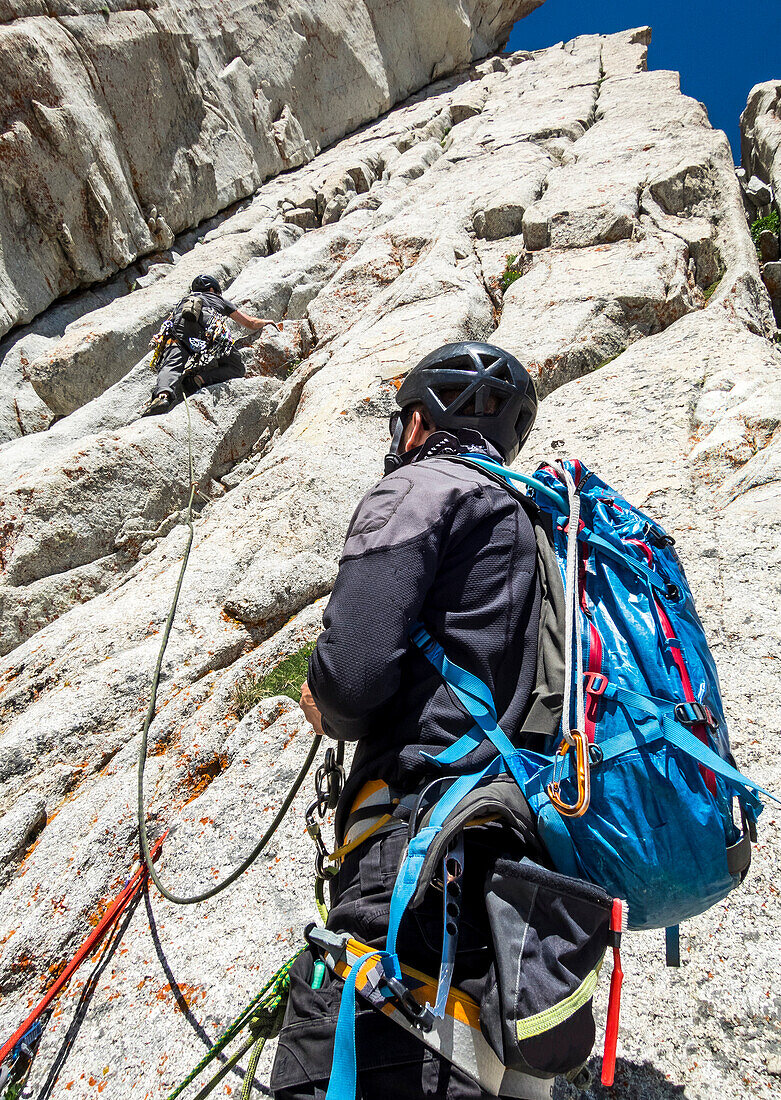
[[263, 1014], [142, 752], [273, 1029]]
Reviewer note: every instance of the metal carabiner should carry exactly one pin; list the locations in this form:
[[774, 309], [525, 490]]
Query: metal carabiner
[[579, 807], [329, 781]]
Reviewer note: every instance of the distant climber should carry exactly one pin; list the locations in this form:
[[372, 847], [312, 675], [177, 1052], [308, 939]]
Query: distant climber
[[439, 541], [194, 349]]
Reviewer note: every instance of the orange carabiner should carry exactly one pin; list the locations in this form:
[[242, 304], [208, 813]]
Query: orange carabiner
[[579, 807]]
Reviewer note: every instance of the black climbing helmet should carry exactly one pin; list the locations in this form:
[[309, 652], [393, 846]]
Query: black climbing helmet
[[474, 385], [206, 283]]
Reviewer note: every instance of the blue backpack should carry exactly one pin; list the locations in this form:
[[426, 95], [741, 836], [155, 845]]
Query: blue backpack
[[639, 793]]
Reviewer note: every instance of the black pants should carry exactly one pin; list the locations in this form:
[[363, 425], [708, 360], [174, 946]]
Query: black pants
[[392, 1063], [174, 363]]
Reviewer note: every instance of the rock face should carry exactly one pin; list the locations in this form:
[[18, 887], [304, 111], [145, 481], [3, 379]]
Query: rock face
[[567, 204], [760, 143], [760, 134], [125, 124]]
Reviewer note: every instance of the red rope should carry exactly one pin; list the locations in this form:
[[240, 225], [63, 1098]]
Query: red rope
[[112, 914]]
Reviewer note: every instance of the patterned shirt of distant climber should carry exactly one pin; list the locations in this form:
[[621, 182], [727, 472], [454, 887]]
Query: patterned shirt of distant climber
[[203, 311]]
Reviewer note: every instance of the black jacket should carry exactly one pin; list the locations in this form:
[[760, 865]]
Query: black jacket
[[443, 543]]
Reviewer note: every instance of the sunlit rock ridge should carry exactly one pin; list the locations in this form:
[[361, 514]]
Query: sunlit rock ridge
[[126, 122]]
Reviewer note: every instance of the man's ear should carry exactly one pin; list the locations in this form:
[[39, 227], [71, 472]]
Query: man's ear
[[417, 431]]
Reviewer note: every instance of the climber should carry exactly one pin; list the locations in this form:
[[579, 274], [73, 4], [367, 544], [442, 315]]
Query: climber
[[435, 540], [192, 329]]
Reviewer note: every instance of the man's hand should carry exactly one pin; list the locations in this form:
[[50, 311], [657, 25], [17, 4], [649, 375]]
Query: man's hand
[[309, 707], [254, 323]]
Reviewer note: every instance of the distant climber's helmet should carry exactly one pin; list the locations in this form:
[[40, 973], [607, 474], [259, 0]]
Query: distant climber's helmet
[[473, 385], [206, 283]]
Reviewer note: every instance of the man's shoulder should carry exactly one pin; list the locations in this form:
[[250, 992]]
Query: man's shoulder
[[411, 503], [217, 303]]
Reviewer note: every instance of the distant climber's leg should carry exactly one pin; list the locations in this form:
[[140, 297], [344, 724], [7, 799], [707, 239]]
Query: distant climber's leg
[[229, 366], [169, 377]]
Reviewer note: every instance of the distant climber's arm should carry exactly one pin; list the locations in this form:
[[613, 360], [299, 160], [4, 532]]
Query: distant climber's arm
[[255, 323], [379, 592]]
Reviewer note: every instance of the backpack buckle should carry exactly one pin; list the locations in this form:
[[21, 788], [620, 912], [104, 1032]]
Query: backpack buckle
[[594, 683], [581, 804], [693, 714]]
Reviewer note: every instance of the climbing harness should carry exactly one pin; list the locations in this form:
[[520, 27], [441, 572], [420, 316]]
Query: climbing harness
[[19, 1050], [215, 343], [457, 1036]]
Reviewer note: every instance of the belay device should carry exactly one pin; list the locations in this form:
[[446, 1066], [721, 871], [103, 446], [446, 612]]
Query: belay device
[[633, 790]]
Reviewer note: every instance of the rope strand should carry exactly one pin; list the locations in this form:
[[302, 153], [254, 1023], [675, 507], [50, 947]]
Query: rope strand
[[169, 895]]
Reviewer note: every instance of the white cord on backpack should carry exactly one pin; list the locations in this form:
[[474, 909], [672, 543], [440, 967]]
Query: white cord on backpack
[[572, 614]]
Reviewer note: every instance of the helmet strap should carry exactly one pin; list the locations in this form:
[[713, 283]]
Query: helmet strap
[[393, 459]]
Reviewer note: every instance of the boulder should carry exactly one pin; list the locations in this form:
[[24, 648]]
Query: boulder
[[758, 192], [760, 135]]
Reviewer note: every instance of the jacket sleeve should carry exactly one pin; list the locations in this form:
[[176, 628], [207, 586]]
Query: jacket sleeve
[[389, 563]]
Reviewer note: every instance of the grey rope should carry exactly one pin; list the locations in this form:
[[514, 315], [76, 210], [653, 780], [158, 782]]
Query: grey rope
[[142, 752]]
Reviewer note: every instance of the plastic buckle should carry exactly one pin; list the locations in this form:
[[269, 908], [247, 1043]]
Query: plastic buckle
[[420, 1016], [692, 714], [595, 683], [660, 539]]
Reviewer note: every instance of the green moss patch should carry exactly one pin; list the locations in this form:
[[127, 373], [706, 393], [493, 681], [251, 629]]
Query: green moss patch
[[286, 678]]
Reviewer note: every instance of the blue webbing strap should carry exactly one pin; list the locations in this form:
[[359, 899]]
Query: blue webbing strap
[[692, 746], [678, 735], [412, 864], [344, 1067], [451, 913], [624, 558], [668, 730], [477, 701]]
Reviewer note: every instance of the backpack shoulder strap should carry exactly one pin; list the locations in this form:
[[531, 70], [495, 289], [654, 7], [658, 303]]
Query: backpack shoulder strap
[[542, 720]]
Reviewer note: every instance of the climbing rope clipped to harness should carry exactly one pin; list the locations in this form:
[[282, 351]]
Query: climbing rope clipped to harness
[[169, 895]]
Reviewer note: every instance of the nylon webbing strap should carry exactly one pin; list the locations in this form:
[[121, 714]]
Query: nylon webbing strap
[[412, 864], [673, 733], [344, 1069], [477, 701], [621, 556], [572, 631]]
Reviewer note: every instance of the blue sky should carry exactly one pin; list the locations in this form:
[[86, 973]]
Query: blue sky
[[721, 48]]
